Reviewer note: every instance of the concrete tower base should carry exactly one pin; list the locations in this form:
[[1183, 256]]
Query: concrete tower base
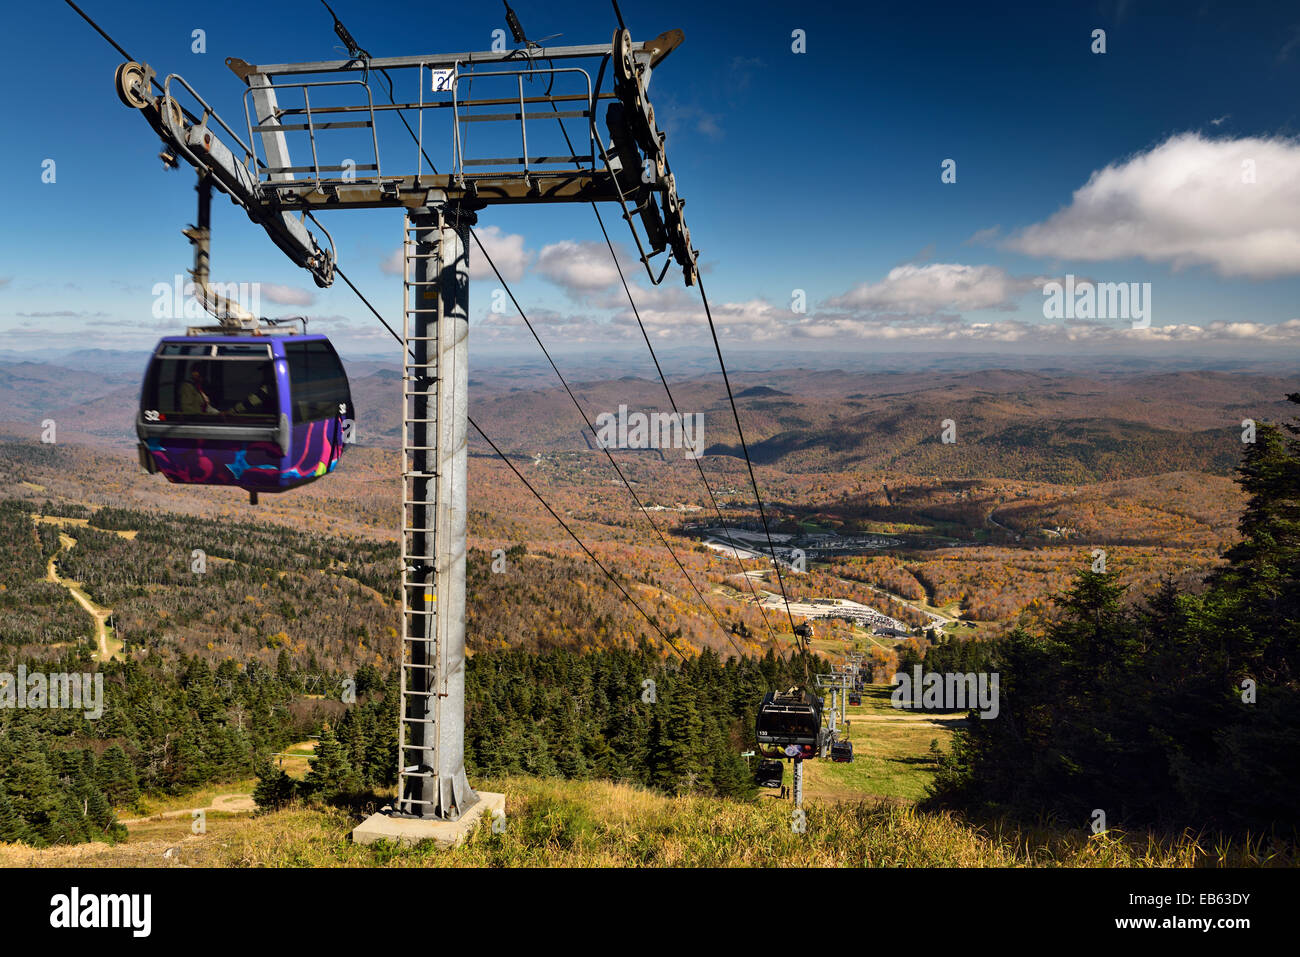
[[406, 830]]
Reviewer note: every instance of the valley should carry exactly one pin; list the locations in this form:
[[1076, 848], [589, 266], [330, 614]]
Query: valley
[[887, 545]]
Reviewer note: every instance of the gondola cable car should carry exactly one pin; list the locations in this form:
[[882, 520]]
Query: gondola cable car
[[789, 723], [770, 774], [249, 403], [263, 411], [789, 719]]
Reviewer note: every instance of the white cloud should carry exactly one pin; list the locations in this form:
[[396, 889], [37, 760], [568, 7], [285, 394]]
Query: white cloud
[[506, 249], [1184, 202], [984, 235], [583, 268], [678, 120], [287, 295], [759, 323], [924, 290]]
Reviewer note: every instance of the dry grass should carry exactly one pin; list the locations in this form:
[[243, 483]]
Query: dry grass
[[554, 823]]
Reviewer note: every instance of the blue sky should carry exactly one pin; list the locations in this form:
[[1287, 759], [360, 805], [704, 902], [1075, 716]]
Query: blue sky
[[816, 171]]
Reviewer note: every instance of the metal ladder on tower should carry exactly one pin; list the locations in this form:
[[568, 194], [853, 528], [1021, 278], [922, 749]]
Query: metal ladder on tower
[[422, 674]]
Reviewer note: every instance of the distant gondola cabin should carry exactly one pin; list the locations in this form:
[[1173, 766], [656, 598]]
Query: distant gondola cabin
[[790, 719], [770, 774]]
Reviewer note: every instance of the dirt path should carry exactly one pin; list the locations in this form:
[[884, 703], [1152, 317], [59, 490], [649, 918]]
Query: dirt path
[[128, 533], [224, 803], [100, 614]]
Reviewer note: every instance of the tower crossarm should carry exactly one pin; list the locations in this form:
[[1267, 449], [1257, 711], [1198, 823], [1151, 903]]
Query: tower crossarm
[[206, 142]]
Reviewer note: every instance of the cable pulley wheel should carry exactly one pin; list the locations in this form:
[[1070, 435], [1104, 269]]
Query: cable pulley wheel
[[661, 167], [669, 200], [623, 61], [630, 89], [682, 247], [647, 134], [132, 88], [167, 104]]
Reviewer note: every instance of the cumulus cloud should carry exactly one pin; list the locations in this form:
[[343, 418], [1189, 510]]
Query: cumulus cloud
[[556, 327], [757, 322], [678, 119], [506, 249], [673, 315], [287, 295], [1186, 202], [579, 268], [913, 289]]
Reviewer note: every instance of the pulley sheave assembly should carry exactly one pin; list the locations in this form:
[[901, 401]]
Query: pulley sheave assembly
[[638, 145]]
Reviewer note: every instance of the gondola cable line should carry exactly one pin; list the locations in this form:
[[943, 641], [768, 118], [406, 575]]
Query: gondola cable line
[[792, 718], [608, 455], [565, 526], [752, 480], [668, 391]]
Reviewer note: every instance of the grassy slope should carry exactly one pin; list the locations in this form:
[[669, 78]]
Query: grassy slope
[[593, 823], [891, 753], [858, 814]]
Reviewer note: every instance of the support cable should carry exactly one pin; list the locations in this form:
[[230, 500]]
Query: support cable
[[750, 466], [635, 498], [538, 495], [616, 582], [655, 358]]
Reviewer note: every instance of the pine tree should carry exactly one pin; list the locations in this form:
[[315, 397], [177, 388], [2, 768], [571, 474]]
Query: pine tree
[[13, 828], [677, 763], [117, 778], [274, 788], [331, 772]]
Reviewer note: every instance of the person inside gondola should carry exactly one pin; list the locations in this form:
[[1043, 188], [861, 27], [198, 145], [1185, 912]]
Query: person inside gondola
[[259, 400], [194, 394]]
